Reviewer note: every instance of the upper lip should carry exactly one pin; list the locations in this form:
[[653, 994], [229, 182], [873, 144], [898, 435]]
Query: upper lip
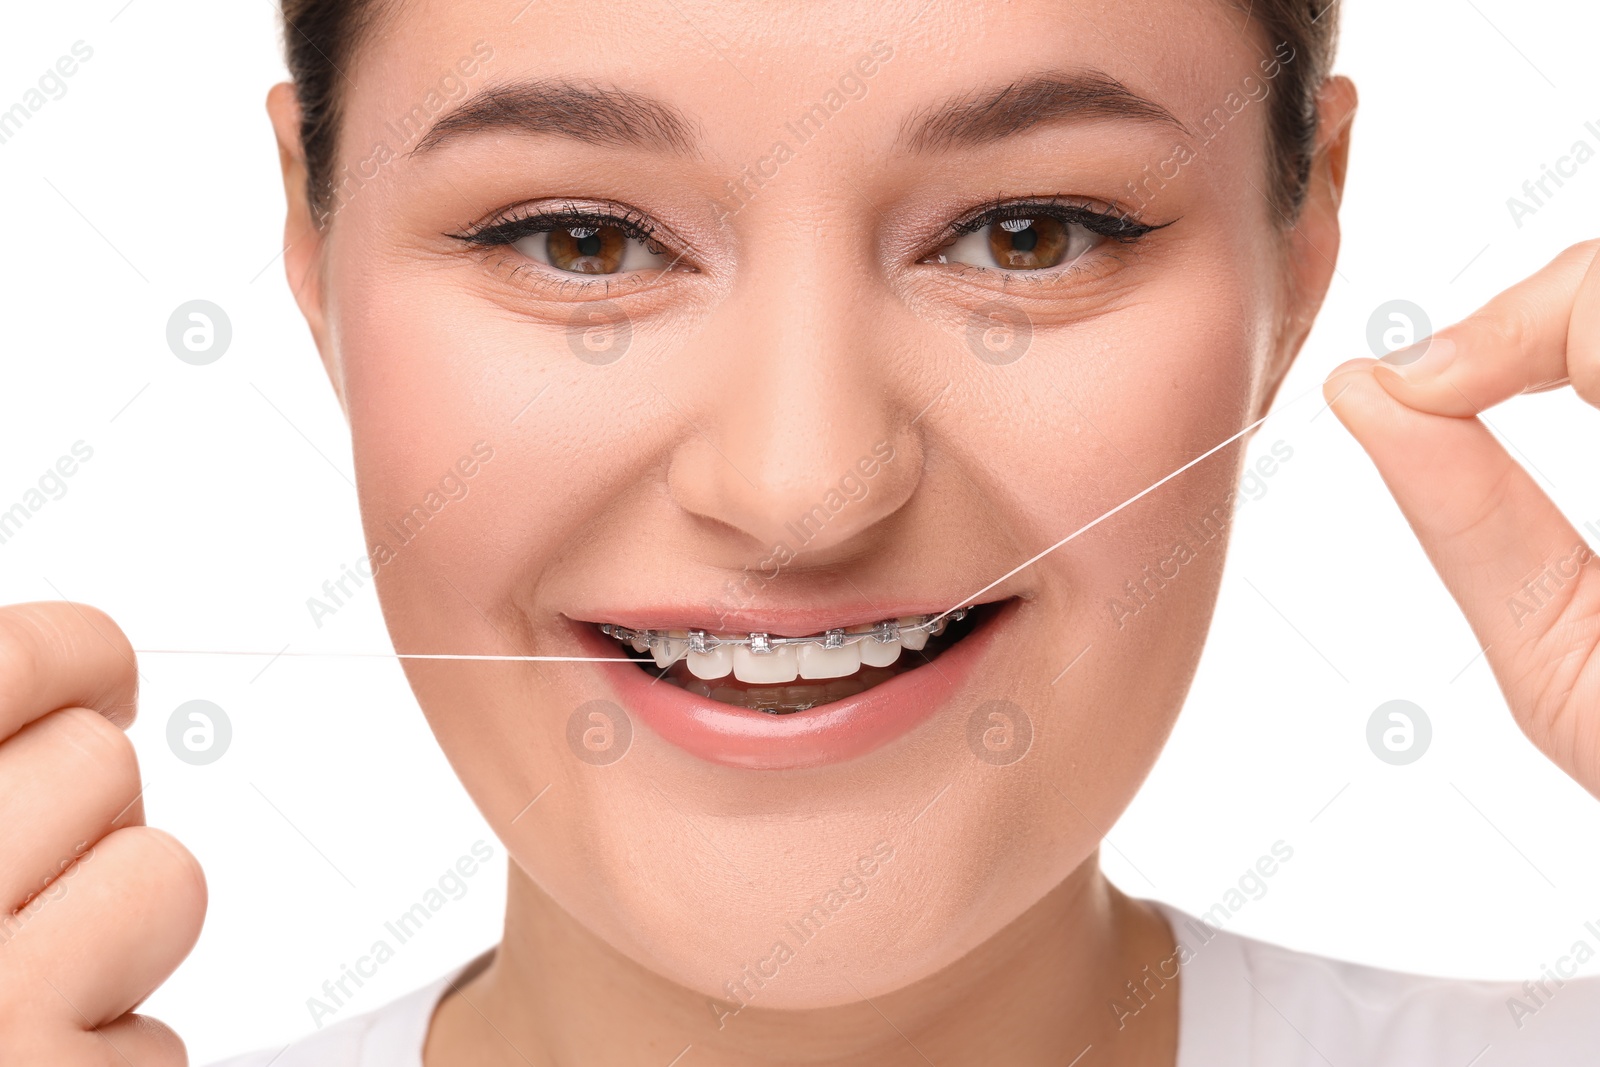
[[780, 622]]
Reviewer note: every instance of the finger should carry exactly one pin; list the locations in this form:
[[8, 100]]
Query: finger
[[1525, 579], [1539, 333], [121, 924], [66, 781], [131, 1041], [57, 655]]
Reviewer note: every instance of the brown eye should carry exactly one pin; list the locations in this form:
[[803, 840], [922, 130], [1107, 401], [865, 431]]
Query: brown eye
[[1028, 244], [588, 249], [1023, 244], [592, 248]]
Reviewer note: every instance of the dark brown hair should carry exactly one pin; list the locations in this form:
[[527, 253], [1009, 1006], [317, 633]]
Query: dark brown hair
[[1307, 31], [322, 37]]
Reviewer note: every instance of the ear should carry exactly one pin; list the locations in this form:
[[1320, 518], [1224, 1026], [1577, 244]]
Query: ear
[[1312, 246], [304, 243]]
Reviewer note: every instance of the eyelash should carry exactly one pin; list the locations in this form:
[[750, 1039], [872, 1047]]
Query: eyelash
[[508, 231], [1113, 224]]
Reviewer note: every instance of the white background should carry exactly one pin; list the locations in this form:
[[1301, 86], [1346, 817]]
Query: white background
[[219, 499]]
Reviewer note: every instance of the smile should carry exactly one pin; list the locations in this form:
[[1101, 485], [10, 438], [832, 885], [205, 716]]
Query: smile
[[755, 671], [821, 706]]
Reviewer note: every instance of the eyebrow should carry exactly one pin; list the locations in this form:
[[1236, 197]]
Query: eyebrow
[[622, 118], [990, 115], [592, 114]]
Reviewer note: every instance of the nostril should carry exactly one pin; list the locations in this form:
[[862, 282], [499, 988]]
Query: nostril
[[792, 492]]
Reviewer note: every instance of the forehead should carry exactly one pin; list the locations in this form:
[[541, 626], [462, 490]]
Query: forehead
[[735, 71]]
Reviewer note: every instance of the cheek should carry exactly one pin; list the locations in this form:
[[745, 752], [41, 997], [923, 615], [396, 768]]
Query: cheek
[[432, 375], [1100, 416]]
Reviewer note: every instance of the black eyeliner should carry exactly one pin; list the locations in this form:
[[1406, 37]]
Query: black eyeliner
[[1113, 224], [507, 231]]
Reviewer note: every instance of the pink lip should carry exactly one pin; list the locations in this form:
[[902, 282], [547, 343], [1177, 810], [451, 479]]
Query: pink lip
[[737, 737]]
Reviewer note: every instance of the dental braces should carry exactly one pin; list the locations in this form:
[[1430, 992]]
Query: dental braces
[[762, 644]]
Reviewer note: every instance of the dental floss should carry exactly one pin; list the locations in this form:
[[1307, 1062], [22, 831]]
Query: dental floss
[[967, 600]]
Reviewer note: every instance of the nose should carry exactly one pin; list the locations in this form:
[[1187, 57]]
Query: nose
[[799, 434]]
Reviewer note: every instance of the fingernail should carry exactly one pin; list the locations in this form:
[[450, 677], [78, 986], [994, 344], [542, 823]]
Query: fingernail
[[1423, 359]]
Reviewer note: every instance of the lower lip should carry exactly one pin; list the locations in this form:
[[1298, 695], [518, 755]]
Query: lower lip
[[831, 733]]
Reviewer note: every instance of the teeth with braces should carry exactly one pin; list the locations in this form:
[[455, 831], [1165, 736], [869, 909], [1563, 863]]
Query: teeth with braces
[[768, 659]]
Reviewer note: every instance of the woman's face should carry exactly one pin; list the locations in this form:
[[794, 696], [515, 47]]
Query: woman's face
[[826, 314]]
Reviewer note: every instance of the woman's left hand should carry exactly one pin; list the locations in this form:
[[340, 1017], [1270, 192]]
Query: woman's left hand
[[1528, 583]]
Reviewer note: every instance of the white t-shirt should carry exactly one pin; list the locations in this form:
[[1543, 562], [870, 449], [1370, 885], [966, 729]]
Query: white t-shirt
[[1243, 1003]]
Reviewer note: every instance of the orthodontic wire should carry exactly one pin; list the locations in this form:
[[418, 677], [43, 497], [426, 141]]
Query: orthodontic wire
[[964, 602]]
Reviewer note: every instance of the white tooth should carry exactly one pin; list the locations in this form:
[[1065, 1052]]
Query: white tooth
[[875, 653], [818, 662], [711, 665], [640, 644], [779, 665], [668, 652], [912, 639]]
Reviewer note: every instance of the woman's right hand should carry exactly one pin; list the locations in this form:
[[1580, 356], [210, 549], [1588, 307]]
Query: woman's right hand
[[98, 908]]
